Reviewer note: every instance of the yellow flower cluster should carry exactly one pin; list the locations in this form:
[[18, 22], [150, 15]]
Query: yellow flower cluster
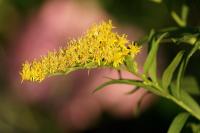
[[100, 46]]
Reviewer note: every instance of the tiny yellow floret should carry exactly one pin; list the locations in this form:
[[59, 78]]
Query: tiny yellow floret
[[99, 47]]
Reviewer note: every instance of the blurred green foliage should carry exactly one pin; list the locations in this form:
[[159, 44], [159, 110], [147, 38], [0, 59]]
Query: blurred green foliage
[[149, 14], [12, 15], [18, 117], [25, 6], [139, 12]]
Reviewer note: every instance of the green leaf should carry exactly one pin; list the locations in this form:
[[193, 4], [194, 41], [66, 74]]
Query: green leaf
[[184, 65], [151, 56], [191, 103], [151, 34], [153, 67], [179, 78], [187, 102], [178, 123], [181, 21], [195, 127], [120, 81], [153, 52], [152, 71], [137, 83], [194, 49], [184, 13], [190, 84], [131, 66], [177, 19], [186, 38], [169, 71]]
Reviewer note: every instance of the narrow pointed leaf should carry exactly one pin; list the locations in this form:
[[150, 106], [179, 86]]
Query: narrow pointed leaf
[[184, 65], [137, 83], [130, 64], [194, 49], [153, 52], [120, 81], [169, 71], [151, 56], [178, 123], [177, 19], [179, 78], [191, 103], [184, 13], [152, 71], [151, 34]]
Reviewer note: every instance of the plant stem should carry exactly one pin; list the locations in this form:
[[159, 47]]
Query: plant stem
[[165, 94], [184, 106]]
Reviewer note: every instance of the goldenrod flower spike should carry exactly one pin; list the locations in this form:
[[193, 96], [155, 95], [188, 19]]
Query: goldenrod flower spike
[[99, 47]]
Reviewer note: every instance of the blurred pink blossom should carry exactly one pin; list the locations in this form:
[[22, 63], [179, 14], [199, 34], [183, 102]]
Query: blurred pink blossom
[[50, 28]]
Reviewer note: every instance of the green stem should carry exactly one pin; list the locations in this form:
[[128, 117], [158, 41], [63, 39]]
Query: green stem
[[178, 102], [184, 106], [166, 95]]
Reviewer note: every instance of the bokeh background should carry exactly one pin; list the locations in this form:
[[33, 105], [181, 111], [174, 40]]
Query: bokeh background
[[65, 104]]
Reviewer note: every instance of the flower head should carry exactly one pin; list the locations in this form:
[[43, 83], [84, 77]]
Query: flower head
[[99, 47]]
